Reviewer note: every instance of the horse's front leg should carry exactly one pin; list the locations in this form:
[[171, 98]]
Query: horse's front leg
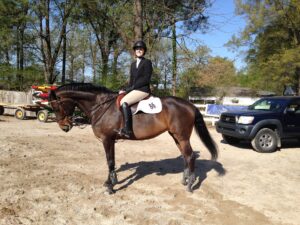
[[109, 146]]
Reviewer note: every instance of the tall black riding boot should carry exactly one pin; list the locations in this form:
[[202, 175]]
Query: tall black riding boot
[[126, 131]]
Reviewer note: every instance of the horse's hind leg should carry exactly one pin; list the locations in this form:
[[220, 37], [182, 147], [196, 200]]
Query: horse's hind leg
[[185, 170], [188, 160], [189, 157]]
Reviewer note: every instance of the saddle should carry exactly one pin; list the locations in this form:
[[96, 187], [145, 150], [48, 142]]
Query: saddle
[[150, 104]]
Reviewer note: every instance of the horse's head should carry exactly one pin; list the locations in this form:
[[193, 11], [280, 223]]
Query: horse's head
[[63, 109]]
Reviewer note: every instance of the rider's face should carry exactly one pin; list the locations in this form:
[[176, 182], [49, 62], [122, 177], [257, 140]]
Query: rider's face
[[139, 52]]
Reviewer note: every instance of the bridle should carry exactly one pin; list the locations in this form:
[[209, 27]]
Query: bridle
[[61, 109], [73, 119]]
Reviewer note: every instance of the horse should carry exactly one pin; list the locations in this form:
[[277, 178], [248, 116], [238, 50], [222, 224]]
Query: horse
[[98, 103]]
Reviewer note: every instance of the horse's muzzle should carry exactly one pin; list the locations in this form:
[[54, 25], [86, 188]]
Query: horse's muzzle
[[65, 125]]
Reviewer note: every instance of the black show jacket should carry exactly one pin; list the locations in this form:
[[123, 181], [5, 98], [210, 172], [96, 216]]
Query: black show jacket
[[140, 77]]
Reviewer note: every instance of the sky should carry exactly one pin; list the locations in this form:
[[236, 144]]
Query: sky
[[223, 23]]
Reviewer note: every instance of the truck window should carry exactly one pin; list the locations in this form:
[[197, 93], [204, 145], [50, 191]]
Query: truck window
[[294, 107], [267, 105]]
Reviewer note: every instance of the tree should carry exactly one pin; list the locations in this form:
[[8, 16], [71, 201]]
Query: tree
[[218, 72], [153, 21], [273, 34], [50, 45], [16, 52], [138, 20], [191, 14], [99, 16], [204, 70], [78, 48]]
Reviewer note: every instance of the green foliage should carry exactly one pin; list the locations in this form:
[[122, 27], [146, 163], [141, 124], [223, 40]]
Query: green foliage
[[99, 37], [188, 80], [203, 70], [273, 33], [13, 79]]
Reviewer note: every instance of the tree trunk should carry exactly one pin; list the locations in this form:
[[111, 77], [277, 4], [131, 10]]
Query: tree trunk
[[93, 50], [94, 63], [104, 68], [22, 29], [63, 74], [115, 62], [83, 71], [7, 58], [50, 58], [49, 70], [18, 47], [115, 66], [174, 58], [138, 20], [19, 79], [298, 80], [71, 72], [165, 80]]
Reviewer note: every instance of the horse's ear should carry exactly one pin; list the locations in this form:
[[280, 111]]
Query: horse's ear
[[52, 96]]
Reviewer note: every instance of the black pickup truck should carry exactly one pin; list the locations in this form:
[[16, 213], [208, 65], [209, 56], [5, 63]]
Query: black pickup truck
[[265, 123]]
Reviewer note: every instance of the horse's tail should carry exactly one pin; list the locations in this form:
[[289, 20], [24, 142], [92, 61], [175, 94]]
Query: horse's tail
[[204, 135]]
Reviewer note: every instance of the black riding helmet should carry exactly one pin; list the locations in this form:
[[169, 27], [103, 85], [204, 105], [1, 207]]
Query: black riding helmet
[[140, 44]]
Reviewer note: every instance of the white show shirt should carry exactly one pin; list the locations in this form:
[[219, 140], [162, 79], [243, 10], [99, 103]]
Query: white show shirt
[[138, 60]]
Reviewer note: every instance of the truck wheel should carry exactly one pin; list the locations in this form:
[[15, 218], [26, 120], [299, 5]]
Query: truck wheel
[[42, 116], [1, 110], [265, 141], [20, 114], [230, 140]]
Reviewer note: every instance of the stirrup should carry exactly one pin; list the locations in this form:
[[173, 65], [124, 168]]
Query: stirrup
[[122, 133]]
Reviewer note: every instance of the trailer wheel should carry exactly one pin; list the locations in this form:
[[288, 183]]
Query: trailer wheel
[[42, 116], [20, 114], [1, 110]]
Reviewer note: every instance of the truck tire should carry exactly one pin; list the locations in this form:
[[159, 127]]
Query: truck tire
[[265, 141], [42, 116], [1, 110], [230, 140], [20, 114]]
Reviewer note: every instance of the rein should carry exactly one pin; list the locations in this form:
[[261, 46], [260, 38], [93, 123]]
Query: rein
[[102, 103], [97, 106]]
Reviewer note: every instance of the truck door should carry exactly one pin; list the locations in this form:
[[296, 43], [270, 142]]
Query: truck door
[[291, 126]]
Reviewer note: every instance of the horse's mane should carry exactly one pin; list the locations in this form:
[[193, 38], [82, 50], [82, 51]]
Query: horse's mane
[[85, 87]]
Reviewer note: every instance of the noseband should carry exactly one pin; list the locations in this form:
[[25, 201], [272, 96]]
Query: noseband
[[62, 110]]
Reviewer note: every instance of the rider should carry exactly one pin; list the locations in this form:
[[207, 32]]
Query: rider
[[138, 88]]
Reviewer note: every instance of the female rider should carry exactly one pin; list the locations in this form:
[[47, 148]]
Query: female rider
[[138, 88]]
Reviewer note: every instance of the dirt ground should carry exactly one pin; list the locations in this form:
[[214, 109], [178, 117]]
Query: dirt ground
[[51, 177]]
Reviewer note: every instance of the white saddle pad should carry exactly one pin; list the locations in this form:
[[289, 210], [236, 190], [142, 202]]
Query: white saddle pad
[[150, 105]]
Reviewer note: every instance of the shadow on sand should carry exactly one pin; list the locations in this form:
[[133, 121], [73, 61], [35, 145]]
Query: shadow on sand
[[285, 144], [167, 166]]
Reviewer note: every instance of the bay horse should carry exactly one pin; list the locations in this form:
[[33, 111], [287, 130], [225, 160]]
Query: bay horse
[[178, 117]]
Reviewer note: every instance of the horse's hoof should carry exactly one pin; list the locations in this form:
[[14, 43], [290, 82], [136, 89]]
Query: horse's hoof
[[113, 178], [110, 191], [106, 184], [189, 189], [184, 182]]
